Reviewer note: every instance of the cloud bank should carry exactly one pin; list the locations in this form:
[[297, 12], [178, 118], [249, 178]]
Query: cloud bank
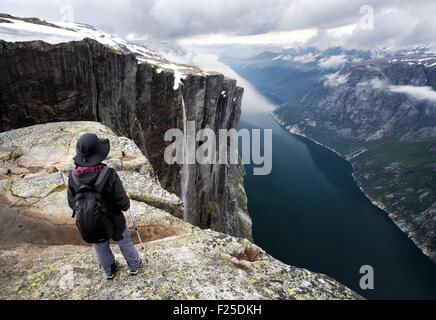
[[335, 79], [333, 62], [414, 92], [420, 93], [336, 22]]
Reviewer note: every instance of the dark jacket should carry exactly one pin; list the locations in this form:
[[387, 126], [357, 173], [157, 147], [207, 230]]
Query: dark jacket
[[114, 195]]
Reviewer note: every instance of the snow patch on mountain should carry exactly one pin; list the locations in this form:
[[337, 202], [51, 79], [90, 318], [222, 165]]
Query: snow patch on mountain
[[18, 30]]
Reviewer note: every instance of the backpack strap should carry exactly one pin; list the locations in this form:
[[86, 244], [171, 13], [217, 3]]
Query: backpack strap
[[76, 181], [101, 179]]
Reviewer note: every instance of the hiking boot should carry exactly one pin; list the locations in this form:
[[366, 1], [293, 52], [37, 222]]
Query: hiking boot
[[114, 269], [135, 272]]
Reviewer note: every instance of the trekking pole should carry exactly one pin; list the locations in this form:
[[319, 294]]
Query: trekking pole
[[135, 226]]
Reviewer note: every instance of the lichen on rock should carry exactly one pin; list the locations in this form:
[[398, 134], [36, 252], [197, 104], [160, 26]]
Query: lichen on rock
[[39, 186], [199, 264]]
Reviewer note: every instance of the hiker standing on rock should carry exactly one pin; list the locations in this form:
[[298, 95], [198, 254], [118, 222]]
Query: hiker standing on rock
[[97, 197]]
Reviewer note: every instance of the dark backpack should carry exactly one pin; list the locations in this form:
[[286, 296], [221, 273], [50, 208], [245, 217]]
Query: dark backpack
[[92, 219]]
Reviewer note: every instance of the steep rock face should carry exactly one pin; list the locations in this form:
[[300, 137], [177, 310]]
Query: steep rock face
[[381, 116], [85, 80], [43, 257]]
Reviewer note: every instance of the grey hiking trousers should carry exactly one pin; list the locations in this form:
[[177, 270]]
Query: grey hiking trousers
[[106, 257]]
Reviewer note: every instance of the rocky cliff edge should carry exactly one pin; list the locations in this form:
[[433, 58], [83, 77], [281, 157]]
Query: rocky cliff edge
[[42, 256]]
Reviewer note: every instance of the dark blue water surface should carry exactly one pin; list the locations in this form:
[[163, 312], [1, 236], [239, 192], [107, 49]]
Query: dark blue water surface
[[309, 213]]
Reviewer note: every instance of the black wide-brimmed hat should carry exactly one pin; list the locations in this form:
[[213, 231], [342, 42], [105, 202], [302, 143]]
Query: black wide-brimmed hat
[[90, 150]]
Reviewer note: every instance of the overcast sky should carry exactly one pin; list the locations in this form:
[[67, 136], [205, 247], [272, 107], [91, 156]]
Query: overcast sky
[[351, 23]]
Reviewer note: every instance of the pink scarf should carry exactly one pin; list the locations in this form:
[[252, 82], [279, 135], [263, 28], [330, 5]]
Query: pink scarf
[[77, 171]]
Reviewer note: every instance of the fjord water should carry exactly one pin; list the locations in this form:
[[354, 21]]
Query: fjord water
[[309, 213]]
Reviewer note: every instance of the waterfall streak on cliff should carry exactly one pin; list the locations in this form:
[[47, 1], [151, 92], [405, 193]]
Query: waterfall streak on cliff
[[185, 166]]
